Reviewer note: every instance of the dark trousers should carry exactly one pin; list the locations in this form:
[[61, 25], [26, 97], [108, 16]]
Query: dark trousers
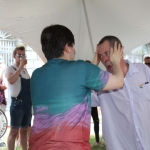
[[94, 114]]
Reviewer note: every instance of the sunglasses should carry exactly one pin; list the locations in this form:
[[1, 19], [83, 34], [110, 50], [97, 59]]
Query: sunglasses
[[21, 56]]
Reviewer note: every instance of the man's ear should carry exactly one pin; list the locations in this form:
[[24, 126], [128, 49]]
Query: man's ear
[[67, 49]]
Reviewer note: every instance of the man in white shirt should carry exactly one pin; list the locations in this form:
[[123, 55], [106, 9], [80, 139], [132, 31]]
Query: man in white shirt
[[125, 112], [20, 109]]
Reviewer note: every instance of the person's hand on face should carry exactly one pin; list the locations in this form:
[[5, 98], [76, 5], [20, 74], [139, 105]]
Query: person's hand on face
[[23, 62], [96, 59], [116, 53]]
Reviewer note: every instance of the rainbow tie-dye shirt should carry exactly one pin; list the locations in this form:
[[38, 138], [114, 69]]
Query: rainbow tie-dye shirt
[[61, 97]]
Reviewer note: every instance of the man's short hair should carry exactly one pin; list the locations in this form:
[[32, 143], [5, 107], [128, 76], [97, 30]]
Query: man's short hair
[[21, 48], [53, 40], [88, 61], [111, 39], [147, 57]]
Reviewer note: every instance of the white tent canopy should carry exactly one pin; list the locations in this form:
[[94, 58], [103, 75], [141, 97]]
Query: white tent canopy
[[89, 20]]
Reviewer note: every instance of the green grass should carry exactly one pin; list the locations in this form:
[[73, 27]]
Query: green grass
[[94, 145]]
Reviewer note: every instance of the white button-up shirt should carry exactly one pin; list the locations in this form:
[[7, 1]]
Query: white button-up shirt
[[94, 98], [126, 112]]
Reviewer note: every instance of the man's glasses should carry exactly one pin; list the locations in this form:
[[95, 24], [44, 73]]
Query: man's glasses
[[21, 55]]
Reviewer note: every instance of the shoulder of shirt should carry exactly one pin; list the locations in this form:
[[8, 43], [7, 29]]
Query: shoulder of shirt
[[139, 65], [80, 61], [36, 70], [9, 68], [77, 62]]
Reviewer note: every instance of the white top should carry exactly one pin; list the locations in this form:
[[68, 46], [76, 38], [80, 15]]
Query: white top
[[94, 98], [16, 87], [126, 112]]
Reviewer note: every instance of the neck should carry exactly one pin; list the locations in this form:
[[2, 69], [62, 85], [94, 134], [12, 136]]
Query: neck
[[65, 57]]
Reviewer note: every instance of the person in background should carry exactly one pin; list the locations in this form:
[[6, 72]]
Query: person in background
[[20, 109], [147, 61], [61, 92], [2, 94], [94, 114], [126, 111]]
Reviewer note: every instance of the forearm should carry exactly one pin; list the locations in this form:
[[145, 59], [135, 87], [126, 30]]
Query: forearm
[[118, 73], [116, 80], [12, 78]]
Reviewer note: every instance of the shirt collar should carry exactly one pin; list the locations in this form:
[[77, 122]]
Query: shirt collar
[[132, 68]]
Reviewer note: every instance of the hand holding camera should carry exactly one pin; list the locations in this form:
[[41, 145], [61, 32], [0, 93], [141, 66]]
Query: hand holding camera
[[23, 61]]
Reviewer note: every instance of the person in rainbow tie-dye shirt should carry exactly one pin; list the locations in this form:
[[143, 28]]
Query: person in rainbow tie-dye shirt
[[61, 92]]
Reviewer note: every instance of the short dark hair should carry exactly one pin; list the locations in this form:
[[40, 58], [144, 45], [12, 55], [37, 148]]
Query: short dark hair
[[22, 48], [88, 61], [111, 39], [147, 57], [53, 40]]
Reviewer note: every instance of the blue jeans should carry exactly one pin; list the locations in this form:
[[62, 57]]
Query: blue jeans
[[20, 115]]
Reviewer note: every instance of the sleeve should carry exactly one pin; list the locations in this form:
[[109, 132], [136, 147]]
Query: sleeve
[[95, 100], [95, 78], [9, 69]]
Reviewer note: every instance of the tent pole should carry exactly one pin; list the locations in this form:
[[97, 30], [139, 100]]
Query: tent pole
[[88, 26]]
